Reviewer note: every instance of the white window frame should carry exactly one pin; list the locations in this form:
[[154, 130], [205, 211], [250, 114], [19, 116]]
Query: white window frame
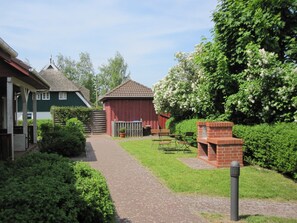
[[46, 96], [62, 95], [38, 96]]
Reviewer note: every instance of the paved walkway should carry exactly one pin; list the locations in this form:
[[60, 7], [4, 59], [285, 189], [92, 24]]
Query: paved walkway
[[140, 197]]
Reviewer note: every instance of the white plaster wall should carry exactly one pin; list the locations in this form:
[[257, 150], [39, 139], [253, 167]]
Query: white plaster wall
[[40, 115]]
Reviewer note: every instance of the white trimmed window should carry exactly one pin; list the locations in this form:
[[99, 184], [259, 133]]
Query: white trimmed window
[[38, 96], [46, 96], [62, 95]]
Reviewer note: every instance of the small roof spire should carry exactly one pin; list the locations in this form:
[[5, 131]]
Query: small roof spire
[[50, 65], [51, 59]]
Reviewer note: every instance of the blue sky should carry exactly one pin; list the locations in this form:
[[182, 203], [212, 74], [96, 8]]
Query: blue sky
[[147, 33]]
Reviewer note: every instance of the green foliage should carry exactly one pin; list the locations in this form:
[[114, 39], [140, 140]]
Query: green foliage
[[48, 188], [174, 93], [40, 122], [170, 124], [75, 125], [270, 146], [247, 74], [267, 90], [122, 130], [255, 182], [184, 126], [112, 74], [91, 185], [62, 114], [81, 72], [271, 24], [66, 140]]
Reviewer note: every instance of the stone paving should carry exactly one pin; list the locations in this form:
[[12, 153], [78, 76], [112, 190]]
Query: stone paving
[[140, 197]]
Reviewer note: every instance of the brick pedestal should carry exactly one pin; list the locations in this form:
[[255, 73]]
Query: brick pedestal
[[216, 144]]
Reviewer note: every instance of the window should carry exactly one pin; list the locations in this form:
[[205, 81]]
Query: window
[[46, 96], [62, 95], [38, 96]]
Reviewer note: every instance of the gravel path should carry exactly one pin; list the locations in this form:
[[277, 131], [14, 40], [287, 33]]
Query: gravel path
[[140, 197]]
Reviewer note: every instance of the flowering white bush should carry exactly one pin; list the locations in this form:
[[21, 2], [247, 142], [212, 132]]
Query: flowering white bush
[[267, 91], [176, 92], [200, 84]]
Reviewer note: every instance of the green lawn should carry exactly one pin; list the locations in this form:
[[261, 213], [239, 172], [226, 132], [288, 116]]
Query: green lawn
[[254, 182], [215, 218]]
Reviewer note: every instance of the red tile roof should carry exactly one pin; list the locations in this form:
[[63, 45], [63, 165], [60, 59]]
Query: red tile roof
[[129, 89]]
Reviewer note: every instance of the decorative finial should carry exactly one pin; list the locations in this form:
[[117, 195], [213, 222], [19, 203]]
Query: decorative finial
[[51, 59]]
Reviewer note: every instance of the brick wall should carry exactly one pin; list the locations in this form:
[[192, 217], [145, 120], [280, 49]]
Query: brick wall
[[216, 144]]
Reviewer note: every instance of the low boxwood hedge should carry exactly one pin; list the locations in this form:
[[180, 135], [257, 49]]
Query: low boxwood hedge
[[44, 187], [270, 146]]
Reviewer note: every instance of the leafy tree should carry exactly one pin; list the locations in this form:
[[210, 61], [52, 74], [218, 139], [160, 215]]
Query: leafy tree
[[173, 93], [68, 67], [268, 92], [246, 74], [81, 72], [271, 24], [112, 74]]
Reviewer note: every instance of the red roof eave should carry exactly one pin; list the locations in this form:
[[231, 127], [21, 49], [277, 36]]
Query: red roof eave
[[18, 67]]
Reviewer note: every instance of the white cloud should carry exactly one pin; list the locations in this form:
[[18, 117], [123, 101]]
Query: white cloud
[[140, 30]]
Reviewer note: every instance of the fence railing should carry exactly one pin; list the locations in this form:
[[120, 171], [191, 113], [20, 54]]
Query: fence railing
[[5, 146], [133, 129]]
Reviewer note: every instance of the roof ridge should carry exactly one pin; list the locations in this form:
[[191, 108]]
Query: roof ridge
[[53, 72], [142, 85], [50, 64], [129, 89], [117, 87]]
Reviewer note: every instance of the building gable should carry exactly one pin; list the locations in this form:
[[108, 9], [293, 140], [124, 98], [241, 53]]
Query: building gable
[[129, 89]]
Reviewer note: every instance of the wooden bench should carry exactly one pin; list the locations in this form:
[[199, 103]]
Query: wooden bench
[[160, 132]]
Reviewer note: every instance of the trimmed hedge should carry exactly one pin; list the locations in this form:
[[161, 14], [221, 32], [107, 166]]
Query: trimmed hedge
[[270, 146], [181, 127], [62, 114], [43, 187]]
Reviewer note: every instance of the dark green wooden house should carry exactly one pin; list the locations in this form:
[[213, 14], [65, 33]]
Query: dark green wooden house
[[62, 92]]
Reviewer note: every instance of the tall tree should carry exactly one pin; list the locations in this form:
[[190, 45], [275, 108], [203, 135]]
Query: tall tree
[[112, 74], [270, 24], [81, 72], [68, 67], [247, 73]]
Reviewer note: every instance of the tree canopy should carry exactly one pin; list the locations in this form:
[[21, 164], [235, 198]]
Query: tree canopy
[[81, 72], [270, 24], [112, 74], [246, 74]]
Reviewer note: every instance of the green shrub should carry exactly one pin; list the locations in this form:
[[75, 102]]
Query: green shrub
[[66, 140], [74, 124], [49, 188], [189, 125], [62, 114], [170, 124], [40, 122], [183, 126], [91, 184], [270, 146]]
